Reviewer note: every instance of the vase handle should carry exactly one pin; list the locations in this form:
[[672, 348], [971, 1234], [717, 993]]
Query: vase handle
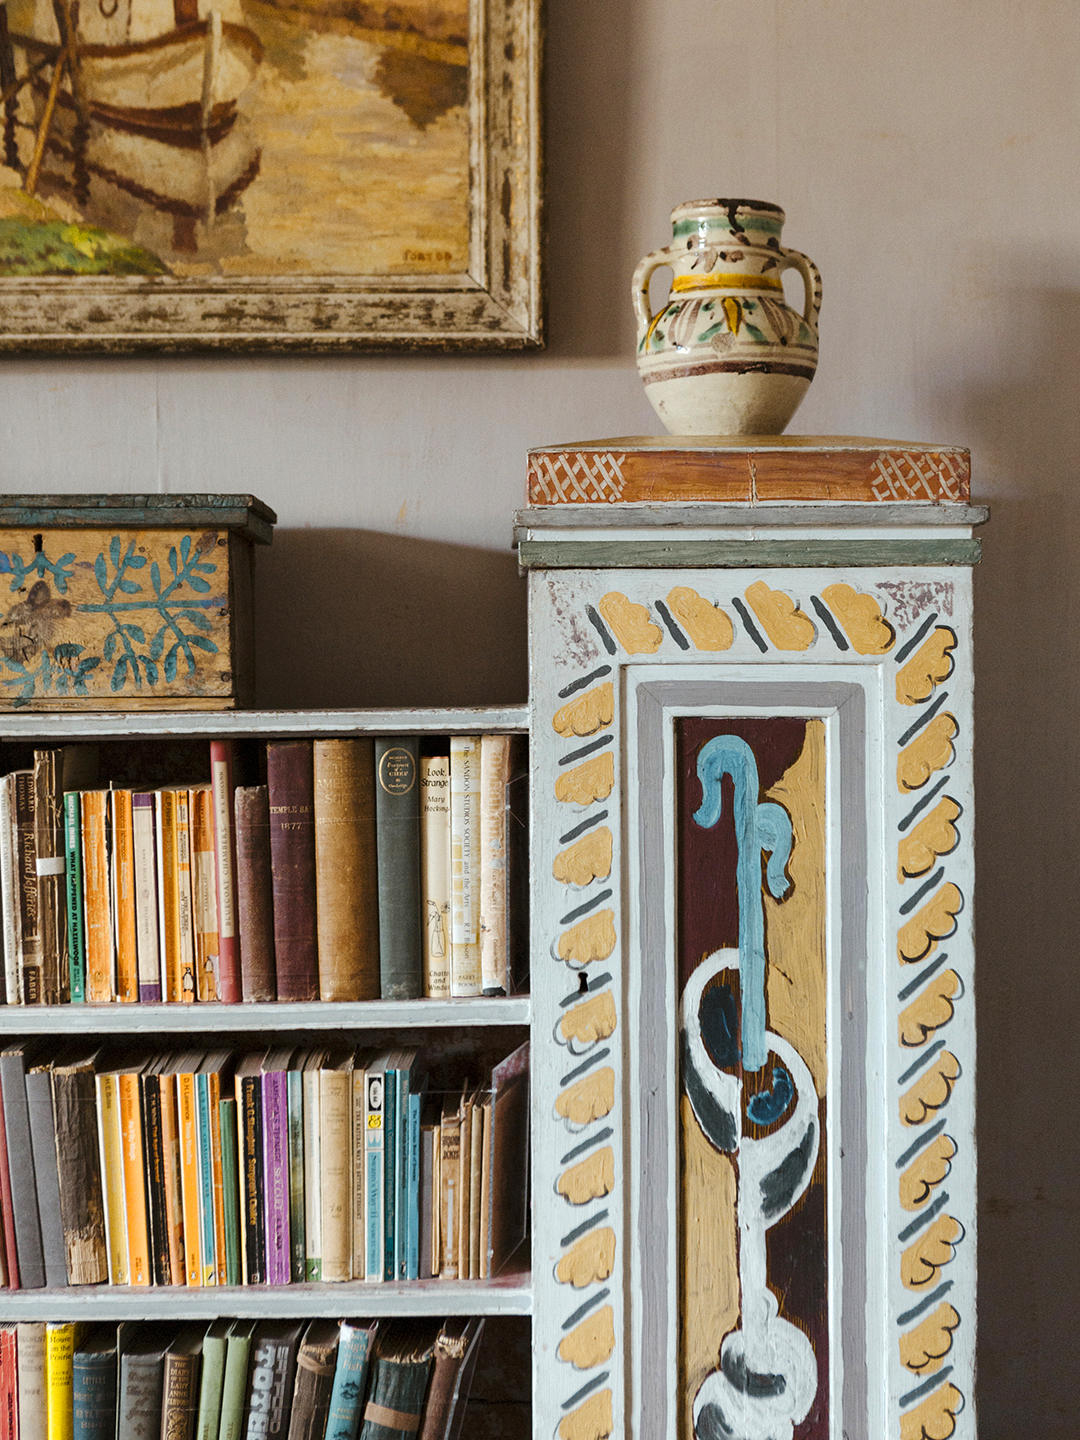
[[811, 275], [642, 275]]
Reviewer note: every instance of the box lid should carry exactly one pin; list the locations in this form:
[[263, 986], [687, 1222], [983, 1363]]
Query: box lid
[[242, 514]]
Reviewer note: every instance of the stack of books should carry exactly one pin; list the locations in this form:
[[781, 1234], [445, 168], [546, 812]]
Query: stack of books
[[208, 1168], [356, 869], [237, 1380]]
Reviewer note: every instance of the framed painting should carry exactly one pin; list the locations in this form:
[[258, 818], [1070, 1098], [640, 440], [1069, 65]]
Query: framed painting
[[294, 175]]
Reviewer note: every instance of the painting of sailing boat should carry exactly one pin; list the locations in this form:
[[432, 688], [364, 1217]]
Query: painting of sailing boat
[[344, 144]]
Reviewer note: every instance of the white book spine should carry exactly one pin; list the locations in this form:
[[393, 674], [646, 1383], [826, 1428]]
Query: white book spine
[[465, 976], [312, 1191], [435, 872], [147, 920], [494, 862], [8, 905], [30, 1356]]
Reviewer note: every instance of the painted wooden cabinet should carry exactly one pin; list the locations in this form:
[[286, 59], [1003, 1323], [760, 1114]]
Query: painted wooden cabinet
[[753, 1069]]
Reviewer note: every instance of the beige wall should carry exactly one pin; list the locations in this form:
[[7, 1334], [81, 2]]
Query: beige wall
[[928, 156]]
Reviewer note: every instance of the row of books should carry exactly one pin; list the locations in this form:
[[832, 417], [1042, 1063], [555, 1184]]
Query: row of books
[[359, 870], [212, 1168], [237, 1380]]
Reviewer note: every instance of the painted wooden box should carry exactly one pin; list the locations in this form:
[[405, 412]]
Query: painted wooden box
[[752, 938], [128, 602]]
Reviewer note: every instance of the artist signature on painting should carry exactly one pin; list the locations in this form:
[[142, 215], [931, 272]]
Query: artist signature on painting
[[428, 257]]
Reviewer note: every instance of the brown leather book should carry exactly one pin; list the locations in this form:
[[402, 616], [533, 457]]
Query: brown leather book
[[346, 880], [82, 1211], [290, 779], [451, 1378], [49, 855], [255, 893], [315, 1365], [180, 1390]]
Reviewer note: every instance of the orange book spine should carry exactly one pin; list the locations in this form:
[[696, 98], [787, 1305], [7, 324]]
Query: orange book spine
[[187, 1115], [217, 1175], [123, 896], [99, 938], [174, 1200], [204, 894], [131, 1136]]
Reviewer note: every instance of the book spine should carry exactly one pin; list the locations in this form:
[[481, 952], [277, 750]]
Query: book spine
[[465, 974], [359, 1160], [294, 1085], [144, 851], [179, 1396], [205, 1163], [312, 1190], [154, 1144], [187, 1110], [174, 1198], [208, 1415], [131, 1133], [390, 1173], [30, 953], [123, 897], [335, 1176], [476, 1134], [9, 1384], [7, 1211], [255, 892], [412, 1248], [346, 882], [375, 1152], [185, 918], [230, 952], [314, 1384], [79, 1174], [485, 1195], [9, 886], [397, 810], [140, 1393], [168, 918], [350, 1382], [74, 892], [290, 781], [276, 1176], [230, 1191], [217, 1165], [27, 1225], [49, 865], [435, 873], [96, 839], [270, 1389], [450, 1194], [428, 1198], [46, 1175], [204, 895], [93, 1383], [494, 863], [111, 1153], [251, 1197], [59, 1353], [234, 1385], [464, 1184], [30, 1350]]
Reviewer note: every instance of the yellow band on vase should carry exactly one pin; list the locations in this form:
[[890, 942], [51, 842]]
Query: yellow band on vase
[[727, 280]]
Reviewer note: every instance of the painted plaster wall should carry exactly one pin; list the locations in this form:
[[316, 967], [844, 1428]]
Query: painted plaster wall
[[926, 154]]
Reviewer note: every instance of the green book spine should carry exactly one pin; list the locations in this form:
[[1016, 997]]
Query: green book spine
[[208, 1415], [294, 1080], [397, 818], [234, 1384], [73, 884], [230, 1177]]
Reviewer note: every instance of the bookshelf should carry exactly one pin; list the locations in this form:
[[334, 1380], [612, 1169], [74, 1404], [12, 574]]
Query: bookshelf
[[481, 1025]]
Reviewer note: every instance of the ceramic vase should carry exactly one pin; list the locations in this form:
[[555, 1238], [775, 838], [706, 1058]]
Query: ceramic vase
[[726, 355]]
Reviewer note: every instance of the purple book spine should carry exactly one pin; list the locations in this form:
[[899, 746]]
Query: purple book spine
[[276, 1176]]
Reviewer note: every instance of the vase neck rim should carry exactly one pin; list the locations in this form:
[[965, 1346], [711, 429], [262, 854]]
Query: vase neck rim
[[732, 218]]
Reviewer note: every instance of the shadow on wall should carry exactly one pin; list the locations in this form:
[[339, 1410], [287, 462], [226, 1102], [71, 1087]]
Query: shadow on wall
[[356, 618], [1027, 432]]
